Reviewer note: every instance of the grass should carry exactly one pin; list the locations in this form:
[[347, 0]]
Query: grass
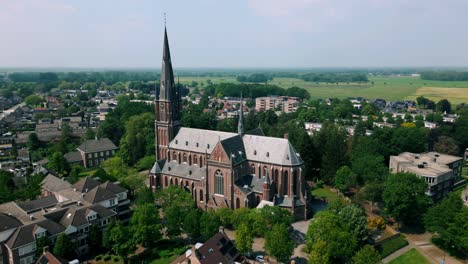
[[325, 193], [389, 88], [87, 173], [392, 245], [410, 257]]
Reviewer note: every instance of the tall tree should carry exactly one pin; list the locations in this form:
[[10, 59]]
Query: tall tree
[[345, 179], [367, 255], [354, 220], [145, 226], [404, 197], [278, 243], [64, 247], [444, 106], [244, 239], [59, 164], [138, 139]]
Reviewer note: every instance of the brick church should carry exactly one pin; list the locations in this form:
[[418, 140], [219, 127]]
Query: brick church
[[221, 169]]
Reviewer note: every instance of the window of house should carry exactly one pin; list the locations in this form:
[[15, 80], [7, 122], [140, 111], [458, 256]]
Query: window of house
[[112, 202], [27, 260], [252, 169], [102, 154], [219, 182], [27, 249], [95, 155], [174, 156], [92, 217]]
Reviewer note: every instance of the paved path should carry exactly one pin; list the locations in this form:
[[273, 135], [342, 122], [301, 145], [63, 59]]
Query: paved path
[[422, 243], [397, 253]]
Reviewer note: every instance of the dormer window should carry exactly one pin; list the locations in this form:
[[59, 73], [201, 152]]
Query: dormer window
[[186, 143], [198, 144], [268, 154], [176, 141], [255, 152], [92, 217], [40, 234], [208, 146]]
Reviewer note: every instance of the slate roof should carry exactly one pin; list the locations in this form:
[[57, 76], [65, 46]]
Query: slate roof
[[53, 183], [72, 157], [184, 170], [38, 204], [256, 148], [86, 183], [198, 140], [218, 249], [234, 148], [113, 188], [25, 234], [78, 216], [252, 182], [271, 150], [157, 167], [101, 144], [8, 222], [98, 194]]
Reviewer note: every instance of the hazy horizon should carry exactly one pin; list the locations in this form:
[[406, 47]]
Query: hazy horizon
[[234, 35]]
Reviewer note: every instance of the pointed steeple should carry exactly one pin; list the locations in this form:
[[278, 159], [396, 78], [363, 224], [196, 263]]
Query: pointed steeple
[[167, 90], [240, 126]]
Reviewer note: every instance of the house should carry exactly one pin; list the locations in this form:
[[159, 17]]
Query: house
[[430, 125], [440, 171], [218, 249], [222, 169], [380, 103], [312, 128], [91, 153], [63, 208]]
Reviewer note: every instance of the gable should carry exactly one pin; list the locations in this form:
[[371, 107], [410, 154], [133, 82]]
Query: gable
[[219, 154]]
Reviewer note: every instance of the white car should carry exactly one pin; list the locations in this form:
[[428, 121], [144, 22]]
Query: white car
[[259, 258]]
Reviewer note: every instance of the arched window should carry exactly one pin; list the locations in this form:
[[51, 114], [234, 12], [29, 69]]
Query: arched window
[[180, 159], [294, 182], [265, 171], [219, 182], [275, 180], [185, 157], [252, 169], [174, 156], [172, 183], [195, 161], [285, 183], [201, 161], [176, 182], [201, 195], [165, 181]]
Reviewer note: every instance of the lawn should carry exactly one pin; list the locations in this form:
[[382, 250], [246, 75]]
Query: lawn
[[389, 88], [391, 245], [410, 257], [325, 193]]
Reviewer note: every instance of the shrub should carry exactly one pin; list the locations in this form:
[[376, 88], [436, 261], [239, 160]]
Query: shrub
[[98, 257], [319, 184], [107, 258], [391, 245], [377, 222], [116, 259]]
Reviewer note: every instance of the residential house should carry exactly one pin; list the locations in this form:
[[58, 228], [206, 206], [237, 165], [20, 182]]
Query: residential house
[[91, 153]]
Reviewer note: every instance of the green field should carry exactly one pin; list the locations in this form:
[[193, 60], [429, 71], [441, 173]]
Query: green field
[[410, 257], [389, 88]]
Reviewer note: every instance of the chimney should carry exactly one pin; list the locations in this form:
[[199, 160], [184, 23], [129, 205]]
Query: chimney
[[221, 229], [286, 136], [45, 249]]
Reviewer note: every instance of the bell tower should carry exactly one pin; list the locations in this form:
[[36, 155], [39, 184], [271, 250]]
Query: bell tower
[[167, 105]]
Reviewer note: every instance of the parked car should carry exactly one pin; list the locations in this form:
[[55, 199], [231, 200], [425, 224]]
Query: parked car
[[260, 258]]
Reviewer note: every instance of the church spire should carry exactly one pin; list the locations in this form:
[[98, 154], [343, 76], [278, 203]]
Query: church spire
[[240, 126], [167, 90]]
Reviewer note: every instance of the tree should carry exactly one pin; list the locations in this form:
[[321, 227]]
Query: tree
[[64, 247], [33, 100], [95, 239], [369, 167], [447, 145], [144, 225], [33, 142], [367, 255], [138, 139], [404, 197], [144, 196], [244, 239], [66, 133], [176, 203], [440, 216], [354, 220], [278, 243], [328, 227], [461, 130], [59, 164], [443, 106], [319, 253], [41, 242], [116, 237], [192, 223], [209, 224], [90, 134], [344, 179]]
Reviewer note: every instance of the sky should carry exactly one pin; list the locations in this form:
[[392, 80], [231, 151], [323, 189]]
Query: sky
[[234, 33]]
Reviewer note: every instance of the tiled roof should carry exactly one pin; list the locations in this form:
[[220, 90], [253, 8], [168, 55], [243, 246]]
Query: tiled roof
[[113, 188], [74, 156], [53, 183], [102, 144], [98, 194], [85, 184], [8, 222], [34, 205]]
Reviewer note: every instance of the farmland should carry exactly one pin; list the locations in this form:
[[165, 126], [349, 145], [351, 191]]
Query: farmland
[[389, 88]]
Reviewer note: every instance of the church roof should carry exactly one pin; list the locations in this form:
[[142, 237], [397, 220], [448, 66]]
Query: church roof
[[167, 90], [271, 150], [184, 170], [251, 147], [198, 140]]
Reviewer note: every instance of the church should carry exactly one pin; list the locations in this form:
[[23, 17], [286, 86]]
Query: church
[[222, 169]]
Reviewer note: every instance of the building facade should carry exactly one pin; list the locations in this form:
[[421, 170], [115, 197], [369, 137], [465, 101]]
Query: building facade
[[440, 171], [221, 169], [92, 153], [282, 103]]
